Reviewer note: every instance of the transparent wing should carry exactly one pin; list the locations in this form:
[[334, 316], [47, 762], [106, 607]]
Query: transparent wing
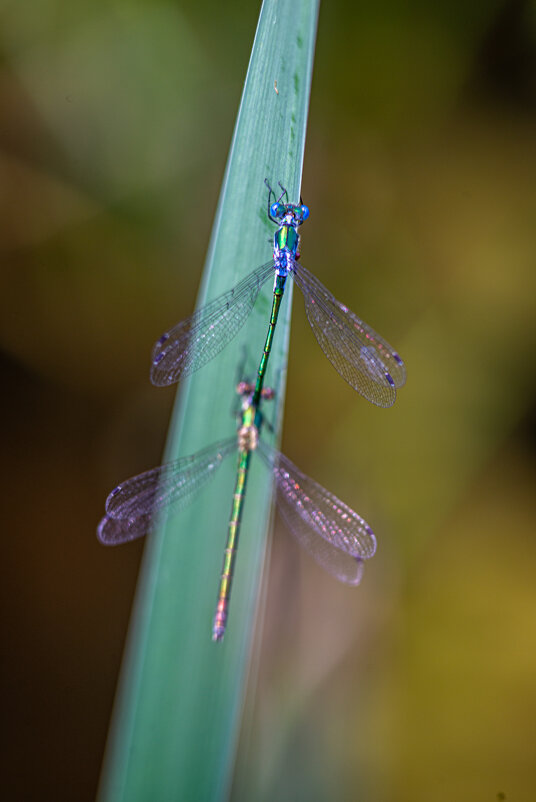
[[195, 341], [387, 354], [112, 531], [131, 505], [363, 358], [336, 536]]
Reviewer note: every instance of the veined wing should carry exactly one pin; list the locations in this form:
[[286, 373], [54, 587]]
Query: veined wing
[[195, 341], [390, 358], [133, 503], [363, 358], [336, 536]]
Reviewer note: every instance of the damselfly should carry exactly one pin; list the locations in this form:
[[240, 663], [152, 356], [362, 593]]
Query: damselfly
[[364, 359], [336, 536]]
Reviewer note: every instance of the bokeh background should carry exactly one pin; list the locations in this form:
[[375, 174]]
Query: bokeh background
[[420, 171]]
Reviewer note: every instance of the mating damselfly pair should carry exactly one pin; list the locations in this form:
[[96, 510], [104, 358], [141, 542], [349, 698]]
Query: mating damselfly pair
[[338, 538]]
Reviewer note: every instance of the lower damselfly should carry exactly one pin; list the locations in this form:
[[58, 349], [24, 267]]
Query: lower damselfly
[[336, 536], [364, 359]]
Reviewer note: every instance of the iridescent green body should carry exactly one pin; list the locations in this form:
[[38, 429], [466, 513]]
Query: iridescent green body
[[287, 237], [279, 289]]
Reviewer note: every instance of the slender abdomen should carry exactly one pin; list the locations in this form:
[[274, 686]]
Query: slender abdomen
[[220, 617]]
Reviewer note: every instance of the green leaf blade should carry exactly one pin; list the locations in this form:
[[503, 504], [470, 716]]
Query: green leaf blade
[[177, 715]]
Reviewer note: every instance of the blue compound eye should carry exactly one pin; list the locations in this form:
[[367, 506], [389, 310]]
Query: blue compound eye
[[276, 209], [304, 212]]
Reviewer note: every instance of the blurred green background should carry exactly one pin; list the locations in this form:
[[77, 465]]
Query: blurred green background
[[420, 172]]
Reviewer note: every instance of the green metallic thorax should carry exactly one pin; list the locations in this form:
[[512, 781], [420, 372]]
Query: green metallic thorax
[[286, 237]]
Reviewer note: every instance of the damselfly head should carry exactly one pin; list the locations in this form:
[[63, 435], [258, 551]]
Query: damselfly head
[[292, 214]]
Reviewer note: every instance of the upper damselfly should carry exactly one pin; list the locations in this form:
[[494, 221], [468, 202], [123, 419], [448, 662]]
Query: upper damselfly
[[337, 537], [364, 359]]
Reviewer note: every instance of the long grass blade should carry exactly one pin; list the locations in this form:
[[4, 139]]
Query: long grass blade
[[177, 713]]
